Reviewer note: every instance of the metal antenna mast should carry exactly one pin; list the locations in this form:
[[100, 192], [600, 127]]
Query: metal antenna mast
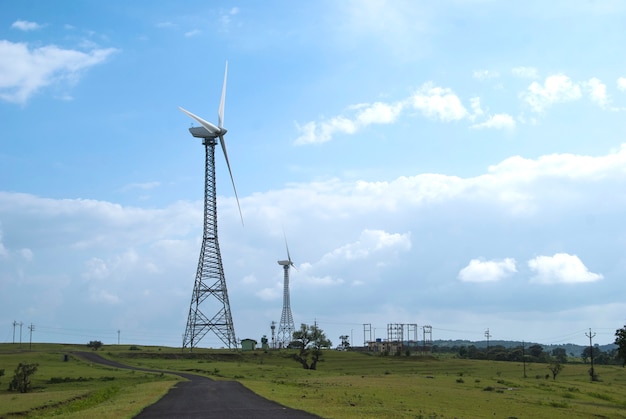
[[210, 308]]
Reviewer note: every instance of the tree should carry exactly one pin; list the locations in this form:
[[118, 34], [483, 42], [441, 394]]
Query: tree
[[345, 342], [560, 354], [555, 368], [536, 351], [21, 380], [311, 340], [590, 350], [94, 344], [620, 341]]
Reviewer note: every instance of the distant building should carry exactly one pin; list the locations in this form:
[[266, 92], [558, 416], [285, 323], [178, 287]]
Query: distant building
[[248, 344]]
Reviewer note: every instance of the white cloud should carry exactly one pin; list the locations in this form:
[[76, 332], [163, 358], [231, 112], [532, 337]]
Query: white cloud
[[364, 115], [360, 239], [395, 27], [621, 84], [477, 110], [497, 121], [485, 74], [561, 268], [432, 101], [192, 33], [525, 72], [487, 271], [26, 254], [226, 16], [556, 89], [270, 294], [25, 25], [165, 25], [438, 102], [3, 250], [96, 269], [370, 242], [104, 296], [142, 186], [597, 92], [24, 71], [377, 113]]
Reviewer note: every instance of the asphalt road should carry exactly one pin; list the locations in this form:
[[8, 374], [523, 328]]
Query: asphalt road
[[201, 397]]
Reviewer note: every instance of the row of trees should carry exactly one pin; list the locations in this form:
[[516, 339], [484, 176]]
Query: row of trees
[[533, 353], [536, 353], [311, 340]]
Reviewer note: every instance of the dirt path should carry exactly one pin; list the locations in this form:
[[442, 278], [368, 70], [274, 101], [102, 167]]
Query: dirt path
[[201, 397]]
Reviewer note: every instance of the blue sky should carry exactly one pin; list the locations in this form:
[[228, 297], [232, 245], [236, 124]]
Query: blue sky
[[459, 164]]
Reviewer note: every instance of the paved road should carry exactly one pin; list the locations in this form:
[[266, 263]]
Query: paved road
[[201, 397]]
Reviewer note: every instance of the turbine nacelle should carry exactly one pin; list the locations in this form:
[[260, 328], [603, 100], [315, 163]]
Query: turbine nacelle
[[211, 132], [285, 262], [201, 132], [208, 130]]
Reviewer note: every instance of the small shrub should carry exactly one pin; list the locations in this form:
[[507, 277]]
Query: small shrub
[[489, 388], [22, 379], [460, 380]]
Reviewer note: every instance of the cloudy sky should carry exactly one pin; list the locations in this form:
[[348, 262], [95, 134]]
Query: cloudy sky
[[459, 164]]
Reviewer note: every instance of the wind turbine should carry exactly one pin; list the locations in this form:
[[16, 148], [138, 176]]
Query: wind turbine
[[210, 309], [286, 326]]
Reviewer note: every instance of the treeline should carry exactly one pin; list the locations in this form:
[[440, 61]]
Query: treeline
[[532, 353]]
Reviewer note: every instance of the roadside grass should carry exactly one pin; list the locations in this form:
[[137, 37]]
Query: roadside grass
[[345, 385], [76, 388]]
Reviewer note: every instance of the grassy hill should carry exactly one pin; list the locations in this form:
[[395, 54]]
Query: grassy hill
[[345, 385]]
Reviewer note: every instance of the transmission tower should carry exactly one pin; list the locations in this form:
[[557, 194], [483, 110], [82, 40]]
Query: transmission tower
[[210, 295]]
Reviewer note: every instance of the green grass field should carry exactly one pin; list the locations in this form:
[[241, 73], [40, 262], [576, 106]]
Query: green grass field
[[346, 384]]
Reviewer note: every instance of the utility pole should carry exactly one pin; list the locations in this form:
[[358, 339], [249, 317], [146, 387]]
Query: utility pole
[[590, 336], [487, 335], [524, 358], [31, 328]]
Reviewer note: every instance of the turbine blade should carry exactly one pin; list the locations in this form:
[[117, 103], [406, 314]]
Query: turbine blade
[[288, 255], [220, 111], [287, 247], [223, 144], [213, 130]]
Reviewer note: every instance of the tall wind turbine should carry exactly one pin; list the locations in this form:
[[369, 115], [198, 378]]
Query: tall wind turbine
[[210, 309], [286, 326]]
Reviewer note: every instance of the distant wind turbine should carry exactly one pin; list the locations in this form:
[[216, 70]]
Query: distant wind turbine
[[286, 326]]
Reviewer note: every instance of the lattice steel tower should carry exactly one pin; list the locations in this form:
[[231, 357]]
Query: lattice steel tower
[[210, 308], [286, 326]]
